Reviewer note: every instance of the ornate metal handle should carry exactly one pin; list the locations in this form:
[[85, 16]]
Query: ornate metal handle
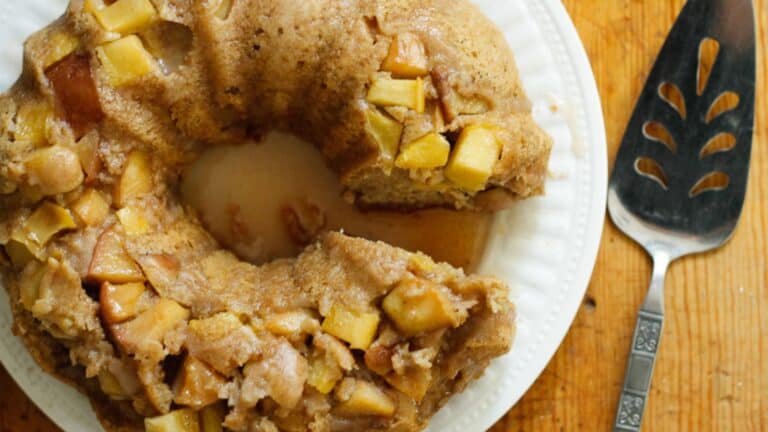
[[642, 357], [637, 381]]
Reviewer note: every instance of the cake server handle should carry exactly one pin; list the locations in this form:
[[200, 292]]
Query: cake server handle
[[642, 356]]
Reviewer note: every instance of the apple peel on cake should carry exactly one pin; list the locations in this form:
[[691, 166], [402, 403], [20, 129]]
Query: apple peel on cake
[[118, 289]]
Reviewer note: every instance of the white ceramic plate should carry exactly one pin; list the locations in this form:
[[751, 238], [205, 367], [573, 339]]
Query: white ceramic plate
[[545, 248]]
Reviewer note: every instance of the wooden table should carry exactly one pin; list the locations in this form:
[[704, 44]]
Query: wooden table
[[712, 373]]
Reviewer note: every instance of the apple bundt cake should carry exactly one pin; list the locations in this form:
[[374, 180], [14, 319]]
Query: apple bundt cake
[[118, 289]]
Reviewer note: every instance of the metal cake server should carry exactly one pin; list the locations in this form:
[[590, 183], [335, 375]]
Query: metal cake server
[[680, 179]]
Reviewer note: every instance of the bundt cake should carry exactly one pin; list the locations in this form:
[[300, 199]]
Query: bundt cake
[[119, 290]]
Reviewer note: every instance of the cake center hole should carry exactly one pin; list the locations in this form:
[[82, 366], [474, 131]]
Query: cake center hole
[[267, 200]]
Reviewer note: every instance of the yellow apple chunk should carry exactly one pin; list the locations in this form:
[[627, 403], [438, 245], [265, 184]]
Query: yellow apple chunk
[[183, 420], [366, 399], [125, 16], [60, 45], [418, 307], [150, 326], [133, 221], [324, 373], [120, 302], [125, 60], [474, 157], [29, 284], [427, 152], [222, 11], [47, 221], [356, 328], [87, 149], [111, 386], [216, 327], [31, 120], [54, 170], [471, 105], [385, 131], [292, 323], [212, 418], [91, 6], [407, 57], [19, 254], [111, 263], [198, 385], [413, 383], [136, 179], [92, 208], [397, 92]]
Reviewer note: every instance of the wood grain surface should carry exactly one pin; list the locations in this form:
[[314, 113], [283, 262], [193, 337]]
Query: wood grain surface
[[712, 371]]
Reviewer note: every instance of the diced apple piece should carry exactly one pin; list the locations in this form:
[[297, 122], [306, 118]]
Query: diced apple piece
[[197, 385], [125, 60], [118, 379], [224, 8], [395, 92], [31, 120], [366, 399], [54, 170], [183, 420], [111, 263], [48, 220], [324, 373], [60, 45], [150, 326], [413, 383], [427, 152], [386, 131], [212, 418], [474, 157], [23, 246], [126, 16], [169, 43], [218, 326], [92, 208], [111, 386], [136, 179], [161, 270], [19, 254], [120, 302], [418, 307], [407, 57], [473, 105], [91, 6], [357, 328], [87, 149], [133, 221], [29, 284], [76, 92], [421, 264], [292, 323]]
